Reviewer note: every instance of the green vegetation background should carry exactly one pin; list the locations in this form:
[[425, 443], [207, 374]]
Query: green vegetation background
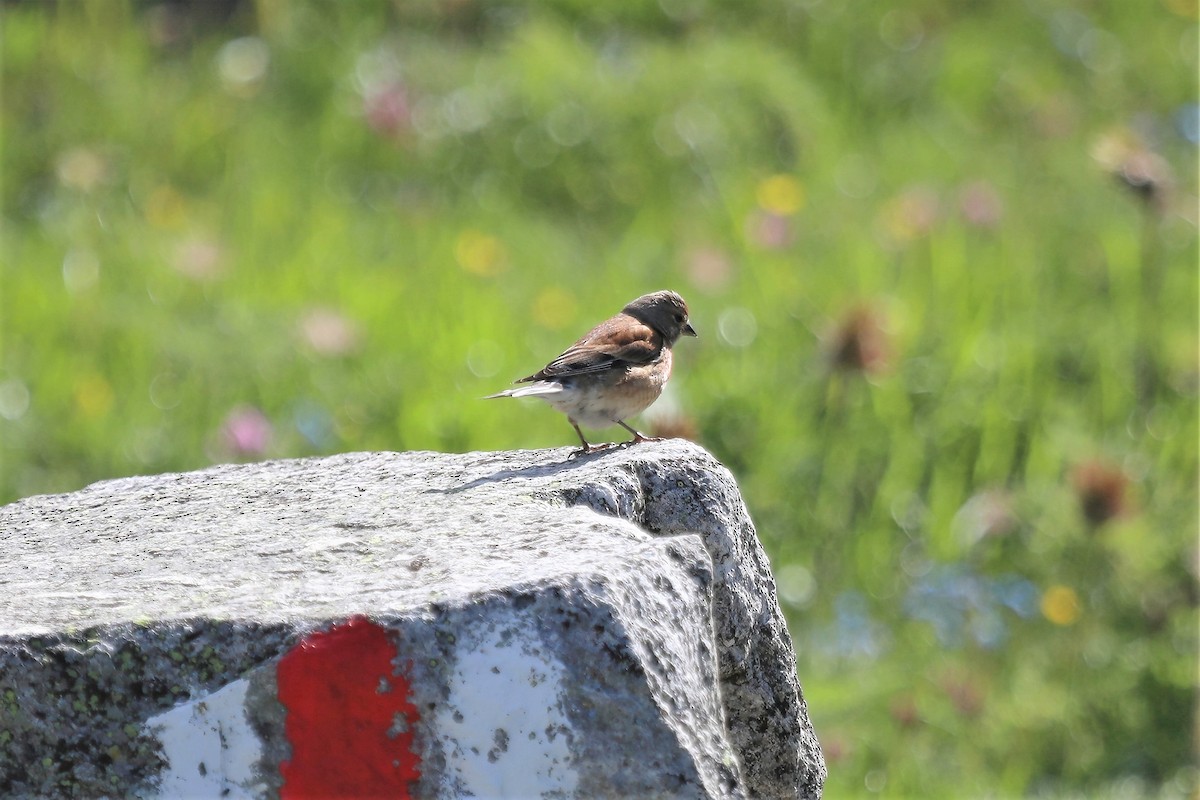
[[942, 257]]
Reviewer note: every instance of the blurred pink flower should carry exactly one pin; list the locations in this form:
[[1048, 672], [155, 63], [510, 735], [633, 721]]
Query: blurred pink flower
[[709, 268], [388, 110], [199, 259], [964, 693], [980, 205], [836, 748], [911, 214], [329, 333], [246, 432], [768, 230]]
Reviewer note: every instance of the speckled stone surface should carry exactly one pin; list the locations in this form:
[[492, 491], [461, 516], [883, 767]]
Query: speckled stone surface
[[639, 567]]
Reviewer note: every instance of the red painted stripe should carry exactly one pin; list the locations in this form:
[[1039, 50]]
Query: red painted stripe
[[341, 699]]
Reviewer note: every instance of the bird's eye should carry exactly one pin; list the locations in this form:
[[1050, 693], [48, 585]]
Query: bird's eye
[[679, 317]]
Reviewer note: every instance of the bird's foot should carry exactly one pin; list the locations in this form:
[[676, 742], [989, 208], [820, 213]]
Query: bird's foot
[[591, 448], [638, 436]]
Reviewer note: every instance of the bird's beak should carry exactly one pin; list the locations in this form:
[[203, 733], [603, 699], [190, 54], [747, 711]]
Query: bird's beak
[[688, 330]]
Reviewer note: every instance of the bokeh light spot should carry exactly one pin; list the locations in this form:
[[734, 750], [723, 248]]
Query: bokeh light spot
[[856, 177], [81, 168], [737, 327], [242, 64], [901, 30], [80, 271], [797, 586], [484, 358], [165, 391], [569, 124], [14, 399], [875, 781]]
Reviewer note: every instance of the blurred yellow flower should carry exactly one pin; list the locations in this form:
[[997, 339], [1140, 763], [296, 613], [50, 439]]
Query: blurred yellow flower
[[1188, 9], [1123, 154], [166, 207], [480, 253], [1060, 605], [554, 308], [780, 194], [93, 396]]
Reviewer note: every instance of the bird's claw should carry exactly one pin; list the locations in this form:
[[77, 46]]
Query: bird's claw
[[591, 448]]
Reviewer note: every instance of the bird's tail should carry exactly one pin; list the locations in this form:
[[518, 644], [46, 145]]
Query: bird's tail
[[536, 389]]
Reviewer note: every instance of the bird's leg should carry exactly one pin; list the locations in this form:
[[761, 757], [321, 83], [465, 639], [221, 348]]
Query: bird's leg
[[640, 437], [587, 447]]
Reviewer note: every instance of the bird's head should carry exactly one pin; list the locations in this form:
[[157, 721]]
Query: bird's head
[[664, 311]]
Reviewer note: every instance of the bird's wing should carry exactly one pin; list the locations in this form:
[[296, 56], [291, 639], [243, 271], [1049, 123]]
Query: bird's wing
[[617, 341]]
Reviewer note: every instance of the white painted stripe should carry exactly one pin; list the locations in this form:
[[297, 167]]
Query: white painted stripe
[[503, 731], [210, 748]]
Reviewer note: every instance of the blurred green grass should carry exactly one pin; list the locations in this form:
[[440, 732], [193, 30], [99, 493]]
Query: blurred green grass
[[950, 358]]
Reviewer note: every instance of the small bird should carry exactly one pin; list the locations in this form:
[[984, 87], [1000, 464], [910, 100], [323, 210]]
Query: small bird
[[615, 371]]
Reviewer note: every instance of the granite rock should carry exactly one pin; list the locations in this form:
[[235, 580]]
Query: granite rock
[[604, 625]]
